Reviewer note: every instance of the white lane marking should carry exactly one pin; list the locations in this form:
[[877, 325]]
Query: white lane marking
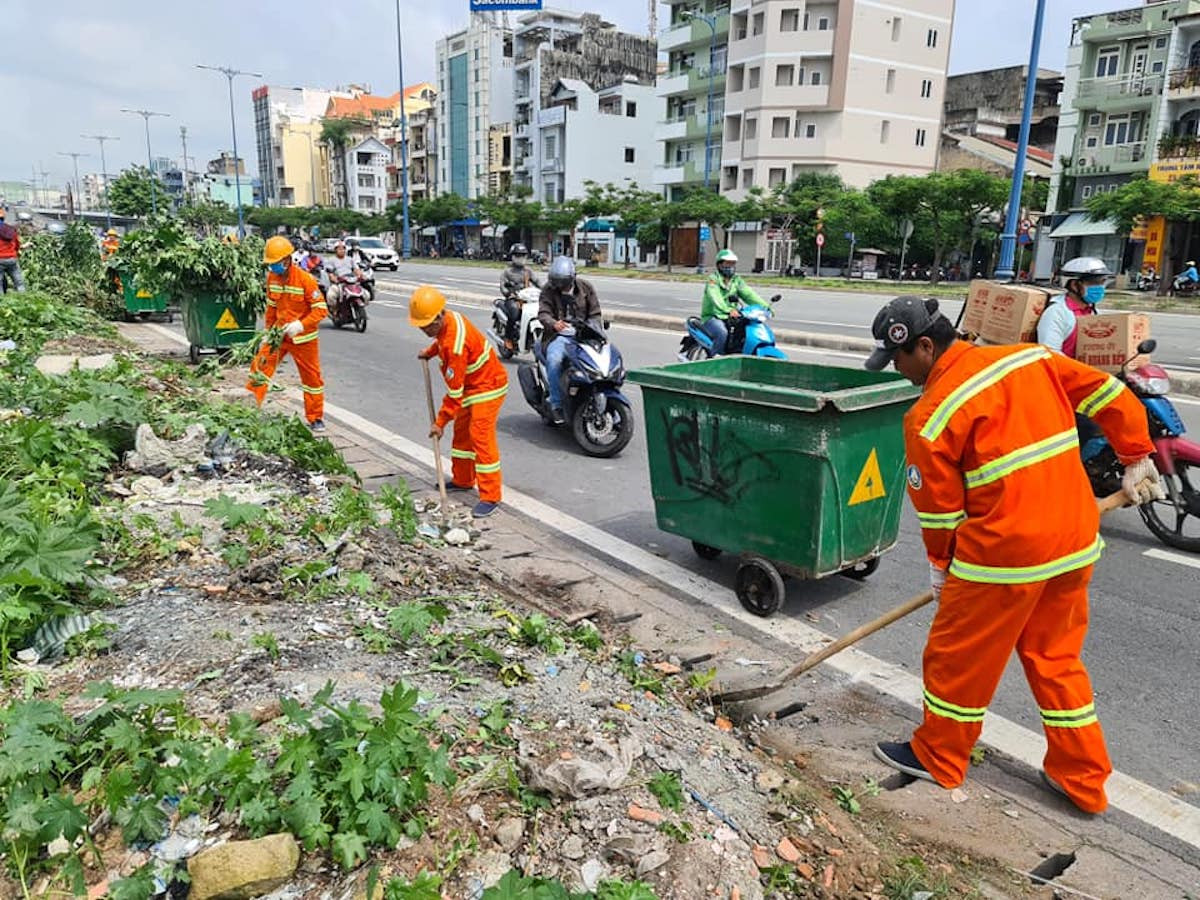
[[1136, 798], [1185, 401], [1192, 561]]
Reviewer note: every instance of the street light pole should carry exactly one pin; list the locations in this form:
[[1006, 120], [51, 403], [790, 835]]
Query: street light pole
[[78, 192], [711, 22], [103, 171], [230, 74], [1008, 240], [406, 239], [146, 114]]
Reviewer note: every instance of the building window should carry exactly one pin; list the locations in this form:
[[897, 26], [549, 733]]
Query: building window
[[1094, 120], [757, 26], [1107, 59], [1156, 67], [751, 129], [1087, 191], [806, 20], [739, 27], [784, 75], [779, 127], [815, 78], [754, 78], [796, 128], [926, 88], [1090, 143], [737, 77], [733, 128], [477, 99], [885, 128], [747, 179], [920, 137], [789, 20], [630, 109], [810, 131], [629, 152], [896, 20], [1160, 43], [476, 54], [776, 177], [889, 84], [823, 24], [931, 38]]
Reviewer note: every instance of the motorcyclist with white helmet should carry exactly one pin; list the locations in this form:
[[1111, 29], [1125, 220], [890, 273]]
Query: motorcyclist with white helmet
[[564, 300], [1085, 279], [516, 277], [723, 292]]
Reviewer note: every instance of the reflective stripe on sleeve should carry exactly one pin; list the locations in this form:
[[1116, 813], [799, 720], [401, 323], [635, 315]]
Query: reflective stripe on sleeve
[[1100, 398], [947, 521]]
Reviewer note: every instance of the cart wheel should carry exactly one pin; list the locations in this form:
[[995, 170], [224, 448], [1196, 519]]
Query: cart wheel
[[170, 317], [862, 570], [759, 586], [704, 551], [194, 354], [128, 316]]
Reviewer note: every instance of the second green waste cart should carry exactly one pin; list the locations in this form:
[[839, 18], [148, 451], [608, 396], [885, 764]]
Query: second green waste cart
[[797, 468], [213, 322]]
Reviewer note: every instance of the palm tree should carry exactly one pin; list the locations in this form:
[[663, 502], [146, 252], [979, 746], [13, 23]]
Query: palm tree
[[336, 134]]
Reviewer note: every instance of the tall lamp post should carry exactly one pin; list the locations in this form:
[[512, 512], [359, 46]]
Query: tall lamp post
[[101, 138], [1008, 240], [711, 22], [406, 239], [146, 115], [78, 192], [230, 74]]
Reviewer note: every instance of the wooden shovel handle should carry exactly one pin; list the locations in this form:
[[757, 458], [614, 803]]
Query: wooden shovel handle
[[437, 448]]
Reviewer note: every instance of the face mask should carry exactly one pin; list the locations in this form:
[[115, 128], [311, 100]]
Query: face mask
[[1093, 293], [726, 271], [278, 268]]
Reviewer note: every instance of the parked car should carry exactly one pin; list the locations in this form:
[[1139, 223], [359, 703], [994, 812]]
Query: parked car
[[380, 255]]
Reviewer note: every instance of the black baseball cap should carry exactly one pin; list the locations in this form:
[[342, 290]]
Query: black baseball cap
[[898, 323]]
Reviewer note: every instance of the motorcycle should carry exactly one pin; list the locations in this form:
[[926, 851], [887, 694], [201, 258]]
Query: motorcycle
[[1184, 287], [1176, 457], [1146, 281], [599, 414], [749, 335], [351, 309], [527, 299]]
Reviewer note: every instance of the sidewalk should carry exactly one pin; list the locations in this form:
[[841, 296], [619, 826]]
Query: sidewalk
[[825, 722]]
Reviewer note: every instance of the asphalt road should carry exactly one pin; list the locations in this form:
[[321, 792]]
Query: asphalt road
[[1178, 334], [1145, 609]]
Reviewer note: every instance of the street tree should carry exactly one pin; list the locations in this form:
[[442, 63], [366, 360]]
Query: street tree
[[436, 212], [559, 218], [336, 134], [130, 193], [1140, 198], [207, 215], [638, 208]]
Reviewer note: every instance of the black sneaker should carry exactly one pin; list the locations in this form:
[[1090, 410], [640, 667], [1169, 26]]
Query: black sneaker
[[558, 417], [484, 508], [900, 756], [317, 426], [451, 487]]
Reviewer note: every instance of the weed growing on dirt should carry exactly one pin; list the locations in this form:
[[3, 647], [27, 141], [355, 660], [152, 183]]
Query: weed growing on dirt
[[847, 799], [667, 790], [267, 641], [912, 876], [515, 886]]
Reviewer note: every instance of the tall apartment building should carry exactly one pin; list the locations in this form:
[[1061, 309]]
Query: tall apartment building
[[474, 92], [291, 158], [852, 87], [420, 107], [551, 45], [91, 190], [1130, 106]]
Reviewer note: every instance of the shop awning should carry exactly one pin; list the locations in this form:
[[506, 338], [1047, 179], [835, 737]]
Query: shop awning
[[1077, 224]]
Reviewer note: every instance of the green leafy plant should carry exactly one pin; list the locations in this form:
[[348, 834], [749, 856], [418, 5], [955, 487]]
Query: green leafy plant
[[536, 631], [412, 618], [588, 637], [846, 799], [402, 514], [681, 832], [231, 513], [267, 641], [90, 643], [425, 886], [912, 876], [700, 681], [639, 676], [667, 790]]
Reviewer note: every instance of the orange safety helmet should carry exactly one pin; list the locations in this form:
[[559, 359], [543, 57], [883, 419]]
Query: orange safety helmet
[[277, 248], [426, 304]]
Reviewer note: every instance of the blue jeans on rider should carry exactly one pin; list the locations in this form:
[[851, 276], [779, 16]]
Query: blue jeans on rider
[[556, 357], [716, 329]]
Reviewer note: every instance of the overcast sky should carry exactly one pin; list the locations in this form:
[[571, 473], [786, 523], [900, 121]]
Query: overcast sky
[[68, 67]]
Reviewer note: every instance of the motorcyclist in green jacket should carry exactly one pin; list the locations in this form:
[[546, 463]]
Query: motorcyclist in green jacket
[[723, 293]]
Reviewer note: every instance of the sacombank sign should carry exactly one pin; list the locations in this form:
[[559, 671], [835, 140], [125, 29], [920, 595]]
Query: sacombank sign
[[494, 5]]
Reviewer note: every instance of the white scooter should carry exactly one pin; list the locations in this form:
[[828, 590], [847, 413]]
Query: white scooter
[[527, 298]]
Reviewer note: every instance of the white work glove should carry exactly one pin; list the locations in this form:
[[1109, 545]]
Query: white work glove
[[293, 328], [1142, 470], [937, 580]]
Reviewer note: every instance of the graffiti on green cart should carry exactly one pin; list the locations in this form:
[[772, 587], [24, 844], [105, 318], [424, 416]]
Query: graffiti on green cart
[[721, 467]]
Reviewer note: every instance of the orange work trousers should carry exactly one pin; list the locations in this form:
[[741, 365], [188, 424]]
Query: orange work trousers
[[974, 632], [475, 454], [308, 362]]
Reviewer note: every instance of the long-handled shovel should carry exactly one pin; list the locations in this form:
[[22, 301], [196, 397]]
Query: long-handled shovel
[[1107, 504], [437, 449]]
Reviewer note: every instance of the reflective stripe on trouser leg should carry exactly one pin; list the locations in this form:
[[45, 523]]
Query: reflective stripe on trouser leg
[[308, 362], [462, 453], [970, 641], [266, 361], [482, 425], [1049, 649]]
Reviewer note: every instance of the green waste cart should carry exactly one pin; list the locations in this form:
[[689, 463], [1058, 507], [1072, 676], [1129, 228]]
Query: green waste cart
[[217, 323], [141, 303], [797, 468]]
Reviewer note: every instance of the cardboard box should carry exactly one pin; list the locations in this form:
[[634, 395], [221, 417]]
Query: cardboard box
[[1012, 313], [979, 294], [1107, 340]]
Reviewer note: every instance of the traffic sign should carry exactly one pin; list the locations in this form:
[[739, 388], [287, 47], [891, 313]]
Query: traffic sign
[[705, 233], [820, 240]]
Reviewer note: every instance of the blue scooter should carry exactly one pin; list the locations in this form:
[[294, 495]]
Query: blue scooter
[[749, 335]]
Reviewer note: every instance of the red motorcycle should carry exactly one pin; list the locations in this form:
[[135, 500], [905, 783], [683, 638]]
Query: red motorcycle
[[351, 309]]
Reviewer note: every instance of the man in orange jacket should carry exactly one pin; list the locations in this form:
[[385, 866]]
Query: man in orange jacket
[[295, 303], [475, 387], [1011, 530]]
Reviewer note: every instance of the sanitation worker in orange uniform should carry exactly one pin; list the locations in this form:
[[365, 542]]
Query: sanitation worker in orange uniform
[[475, 387], [295, 303], [1012, 532]]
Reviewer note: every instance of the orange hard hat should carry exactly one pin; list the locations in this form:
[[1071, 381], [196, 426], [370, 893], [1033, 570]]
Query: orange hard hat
[[276, 249], [426, 304]]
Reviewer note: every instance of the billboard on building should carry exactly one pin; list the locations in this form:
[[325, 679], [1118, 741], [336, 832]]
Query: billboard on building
[[498, 5], [1174, 169]]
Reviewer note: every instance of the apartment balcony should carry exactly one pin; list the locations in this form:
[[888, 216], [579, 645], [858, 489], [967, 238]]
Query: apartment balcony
[[693, 32], [798, 43], [1181, 147], [670, 174], [522, 131], [1130, 91], [1128, 23], [1183, 84], [671, 130], [1117, 159], [552, 164], [698, 79], [672, 83], [697, 126]]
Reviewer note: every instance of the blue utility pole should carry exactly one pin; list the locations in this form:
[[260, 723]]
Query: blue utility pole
[[406, 239], [1008, 240]]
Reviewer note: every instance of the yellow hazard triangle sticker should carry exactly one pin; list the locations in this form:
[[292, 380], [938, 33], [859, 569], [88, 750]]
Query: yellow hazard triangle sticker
[[870, 482], [227, 321]]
